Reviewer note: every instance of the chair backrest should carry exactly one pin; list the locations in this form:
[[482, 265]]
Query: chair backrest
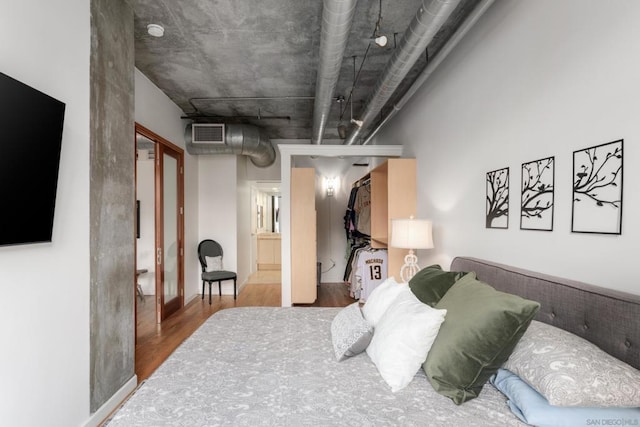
[[207, 248]]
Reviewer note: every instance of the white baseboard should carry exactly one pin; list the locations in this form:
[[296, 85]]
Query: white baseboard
[[110, 405]]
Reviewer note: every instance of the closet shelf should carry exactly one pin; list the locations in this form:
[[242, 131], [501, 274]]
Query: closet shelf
[[384, 241]]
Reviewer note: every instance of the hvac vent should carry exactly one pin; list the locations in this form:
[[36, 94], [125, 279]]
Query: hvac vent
[[207, 133]]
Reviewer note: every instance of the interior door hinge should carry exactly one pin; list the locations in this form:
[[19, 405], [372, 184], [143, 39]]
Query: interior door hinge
[[181, 170], [159, 256], [181, 251], [181, 210]]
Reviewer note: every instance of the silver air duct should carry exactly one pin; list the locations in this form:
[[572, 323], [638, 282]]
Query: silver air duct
[[337, 17], [423, 27], [247, 140]]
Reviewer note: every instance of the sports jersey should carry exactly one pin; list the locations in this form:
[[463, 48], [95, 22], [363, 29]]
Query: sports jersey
[[371, 270]]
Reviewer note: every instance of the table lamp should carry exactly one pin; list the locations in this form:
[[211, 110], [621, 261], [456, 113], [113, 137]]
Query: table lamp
[[411, 233]]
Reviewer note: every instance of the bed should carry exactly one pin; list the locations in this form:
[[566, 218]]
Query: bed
[[276, 366]]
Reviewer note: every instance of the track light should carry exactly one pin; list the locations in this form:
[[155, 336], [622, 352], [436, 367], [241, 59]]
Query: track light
[[381, 41], [342, 131], [155, 30]]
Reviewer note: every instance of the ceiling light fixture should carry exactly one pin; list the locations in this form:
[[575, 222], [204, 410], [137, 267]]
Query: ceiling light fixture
[[381, 41], [155, 30]]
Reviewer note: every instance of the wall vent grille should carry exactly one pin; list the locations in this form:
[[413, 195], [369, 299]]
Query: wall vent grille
[[207, 133]]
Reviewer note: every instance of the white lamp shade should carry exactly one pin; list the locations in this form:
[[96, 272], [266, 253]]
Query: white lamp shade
[[411, 233]]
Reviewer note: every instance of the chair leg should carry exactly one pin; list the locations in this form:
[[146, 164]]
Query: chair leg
[[203, 289], [210, 283], [234, 289], [219, 288]]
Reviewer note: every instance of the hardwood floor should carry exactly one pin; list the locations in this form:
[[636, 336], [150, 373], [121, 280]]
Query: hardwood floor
[[156, 342]]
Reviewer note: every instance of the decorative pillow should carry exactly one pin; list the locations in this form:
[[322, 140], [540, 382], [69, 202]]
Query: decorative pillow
[[403, 337], [482, 328], [570, 371], [532, 408], [350, 332], [214, 263], [431, 283], [380, 299]]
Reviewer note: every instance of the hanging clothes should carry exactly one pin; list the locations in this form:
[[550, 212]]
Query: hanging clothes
[[362, 208], [368, 270]]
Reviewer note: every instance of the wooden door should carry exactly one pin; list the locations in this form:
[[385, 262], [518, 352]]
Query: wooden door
[[303, 236], [169, 231]]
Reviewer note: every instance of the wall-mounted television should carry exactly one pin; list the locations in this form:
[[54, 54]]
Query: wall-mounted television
[[31, 125]]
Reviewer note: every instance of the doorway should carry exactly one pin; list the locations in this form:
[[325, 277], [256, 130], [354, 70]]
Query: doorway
[[160, 228], [265, 233]]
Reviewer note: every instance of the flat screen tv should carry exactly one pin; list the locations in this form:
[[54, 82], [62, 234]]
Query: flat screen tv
[[31, 125]]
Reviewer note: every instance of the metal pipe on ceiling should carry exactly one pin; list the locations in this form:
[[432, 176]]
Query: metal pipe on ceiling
[[453, 41], [337, 17], [246, 140], [423, 27]]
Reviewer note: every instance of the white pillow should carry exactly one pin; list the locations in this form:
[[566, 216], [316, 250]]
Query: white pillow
[[403, 337], [214, 263], [381, 298], [350, 333]]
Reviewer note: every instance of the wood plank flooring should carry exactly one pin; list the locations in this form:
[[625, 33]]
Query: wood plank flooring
[[156, 342]]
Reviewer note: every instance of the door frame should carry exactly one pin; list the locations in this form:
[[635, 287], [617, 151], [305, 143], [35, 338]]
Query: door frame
[[162, 146]]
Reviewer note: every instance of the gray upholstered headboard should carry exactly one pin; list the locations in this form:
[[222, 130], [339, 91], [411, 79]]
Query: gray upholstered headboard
[[608, 318]]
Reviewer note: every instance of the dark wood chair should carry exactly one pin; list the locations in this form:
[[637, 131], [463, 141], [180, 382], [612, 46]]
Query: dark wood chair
[[211, 248]]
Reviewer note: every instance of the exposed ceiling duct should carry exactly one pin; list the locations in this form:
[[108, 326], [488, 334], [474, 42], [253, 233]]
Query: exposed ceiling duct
[[246, 140], [337, 16], [423, 27], [471, 20]]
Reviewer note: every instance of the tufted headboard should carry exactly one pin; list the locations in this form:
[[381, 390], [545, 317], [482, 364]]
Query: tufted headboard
[[608, 318]]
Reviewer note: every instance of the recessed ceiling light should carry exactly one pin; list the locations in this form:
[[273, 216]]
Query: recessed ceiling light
[[155, 30]]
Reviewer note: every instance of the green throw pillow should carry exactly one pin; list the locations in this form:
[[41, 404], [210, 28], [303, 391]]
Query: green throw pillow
[[480, 331], [431, 283]]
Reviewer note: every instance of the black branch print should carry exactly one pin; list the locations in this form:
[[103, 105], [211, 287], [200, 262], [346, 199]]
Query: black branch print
[[537, 192], [497, 195], [598, 174]]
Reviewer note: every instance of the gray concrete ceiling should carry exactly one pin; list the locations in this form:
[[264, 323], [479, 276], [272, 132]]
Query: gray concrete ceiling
[[218, 56]]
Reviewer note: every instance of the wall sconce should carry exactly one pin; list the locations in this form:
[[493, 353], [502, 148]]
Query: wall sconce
[[411, 234], [330, 186]]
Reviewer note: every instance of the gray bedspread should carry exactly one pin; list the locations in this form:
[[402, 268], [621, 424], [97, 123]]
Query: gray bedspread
[[262, 366]]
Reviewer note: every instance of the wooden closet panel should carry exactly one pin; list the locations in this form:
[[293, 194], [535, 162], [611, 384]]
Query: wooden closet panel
[[303, 236], [393, 195], [402, 190]]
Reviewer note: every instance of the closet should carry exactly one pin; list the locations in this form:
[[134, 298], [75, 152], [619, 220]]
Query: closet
[[393, 195]]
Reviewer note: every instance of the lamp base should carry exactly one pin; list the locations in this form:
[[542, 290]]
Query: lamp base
[[410, 267]]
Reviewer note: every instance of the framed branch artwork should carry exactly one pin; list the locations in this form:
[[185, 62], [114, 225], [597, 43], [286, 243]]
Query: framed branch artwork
[[597, 189], [497, 199], [536, 200]]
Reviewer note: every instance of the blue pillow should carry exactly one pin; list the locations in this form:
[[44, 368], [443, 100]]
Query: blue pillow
[[532, 408]]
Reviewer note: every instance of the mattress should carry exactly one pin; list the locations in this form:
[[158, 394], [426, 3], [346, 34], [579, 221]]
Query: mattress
[[265, 366]]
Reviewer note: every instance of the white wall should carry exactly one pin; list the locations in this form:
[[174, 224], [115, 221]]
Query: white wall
[[533, 79], [44, 323], [218, 212], [146, 244], [331, 235], [246, 241], [155, 111]]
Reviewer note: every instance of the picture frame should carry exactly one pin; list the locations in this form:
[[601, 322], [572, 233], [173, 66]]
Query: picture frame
[[537, 191], [497, 199], [597, 189]]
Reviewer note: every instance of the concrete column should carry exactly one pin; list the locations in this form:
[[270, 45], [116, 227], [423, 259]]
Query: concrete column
[[112, 200]]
